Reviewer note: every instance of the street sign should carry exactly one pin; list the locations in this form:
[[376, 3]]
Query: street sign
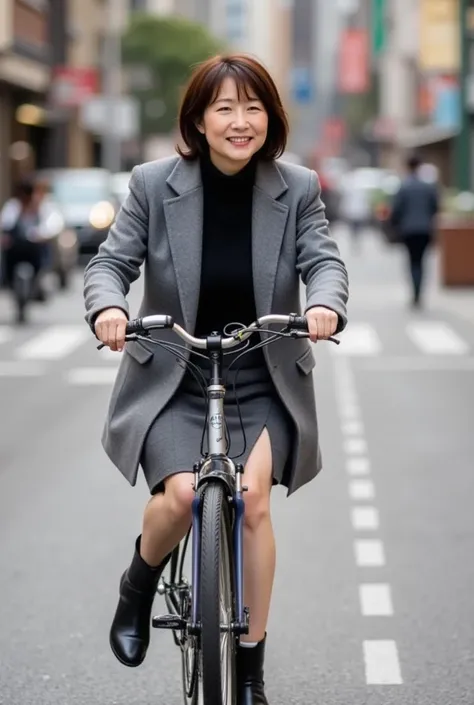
[[379, 33], [119, 117], [301, 84], [72, 86]]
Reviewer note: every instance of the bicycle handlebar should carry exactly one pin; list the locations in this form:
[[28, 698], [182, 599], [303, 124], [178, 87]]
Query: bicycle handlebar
[[140, 326]]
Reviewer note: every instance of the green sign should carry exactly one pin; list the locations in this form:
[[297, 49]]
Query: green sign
[[379, 34]]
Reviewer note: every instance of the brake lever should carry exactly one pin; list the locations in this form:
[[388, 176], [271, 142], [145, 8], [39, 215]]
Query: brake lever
[[303, 334], [128, 338]]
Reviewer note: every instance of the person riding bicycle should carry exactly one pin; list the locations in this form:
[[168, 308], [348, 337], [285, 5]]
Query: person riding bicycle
[[24, 229], [226, 230]]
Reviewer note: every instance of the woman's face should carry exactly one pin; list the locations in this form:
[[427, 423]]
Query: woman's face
[[234, 129]]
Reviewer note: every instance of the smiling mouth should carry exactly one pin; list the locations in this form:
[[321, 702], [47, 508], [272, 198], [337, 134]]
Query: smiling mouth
[[239, 140]]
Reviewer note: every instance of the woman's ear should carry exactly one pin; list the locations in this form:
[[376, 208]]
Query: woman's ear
[[200, 127]]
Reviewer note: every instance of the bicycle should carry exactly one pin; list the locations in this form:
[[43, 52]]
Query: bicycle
[[208, 615]]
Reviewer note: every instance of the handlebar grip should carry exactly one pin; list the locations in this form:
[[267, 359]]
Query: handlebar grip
[[298, 322], [134, 326]]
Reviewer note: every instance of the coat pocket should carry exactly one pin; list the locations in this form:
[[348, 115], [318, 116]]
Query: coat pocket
[[139, 351], [306, 362]]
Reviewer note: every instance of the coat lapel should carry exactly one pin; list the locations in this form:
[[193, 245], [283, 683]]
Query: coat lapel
[[184, 221], [268, 227]]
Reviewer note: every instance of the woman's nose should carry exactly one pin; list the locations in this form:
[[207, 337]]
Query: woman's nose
[[240, 119]]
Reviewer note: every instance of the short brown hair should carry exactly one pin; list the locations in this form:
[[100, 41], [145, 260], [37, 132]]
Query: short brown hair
[[203, 88]]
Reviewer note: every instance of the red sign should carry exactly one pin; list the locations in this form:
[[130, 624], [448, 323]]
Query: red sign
[[354, 61], [73, 86]]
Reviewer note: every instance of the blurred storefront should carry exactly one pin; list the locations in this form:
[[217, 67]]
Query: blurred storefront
[[416, 50], [24, 81], [50, 57], [438, 107]]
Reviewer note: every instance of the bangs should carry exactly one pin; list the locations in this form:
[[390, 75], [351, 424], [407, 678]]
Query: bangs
[[246, 81]]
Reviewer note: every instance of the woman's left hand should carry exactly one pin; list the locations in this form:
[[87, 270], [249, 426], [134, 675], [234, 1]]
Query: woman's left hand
[[322, 323]]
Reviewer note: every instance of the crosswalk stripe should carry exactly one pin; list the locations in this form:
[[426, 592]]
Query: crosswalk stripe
[[20, 369], [358, 339], [6, 334], [436, 338], [87, 376], [54, 343], [110, 355]]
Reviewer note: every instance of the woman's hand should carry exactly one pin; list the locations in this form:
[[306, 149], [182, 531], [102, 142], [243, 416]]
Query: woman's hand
[[110, 327], [322, 323]]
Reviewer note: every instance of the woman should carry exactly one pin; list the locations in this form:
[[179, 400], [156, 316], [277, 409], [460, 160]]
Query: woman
[[225, 232]]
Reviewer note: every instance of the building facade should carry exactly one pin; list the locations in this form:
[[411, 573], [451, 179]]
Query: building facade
[[24, 81]]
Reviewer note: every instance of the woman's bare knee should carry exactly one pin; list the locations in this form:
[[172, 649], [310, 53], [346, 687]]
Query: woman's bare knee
[[179, 494]]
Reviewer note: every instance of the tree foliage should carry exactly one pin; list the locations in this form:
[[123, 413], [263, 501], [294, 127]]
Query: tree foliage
[[159, 54]]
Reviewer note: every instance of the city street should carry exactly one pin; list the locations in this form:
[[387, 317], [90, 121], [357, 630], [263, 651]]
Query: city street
[[373, 601]]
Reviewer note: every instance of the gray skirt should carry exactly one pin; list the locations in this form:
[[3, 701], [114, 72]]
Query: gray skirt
[[175, 439]]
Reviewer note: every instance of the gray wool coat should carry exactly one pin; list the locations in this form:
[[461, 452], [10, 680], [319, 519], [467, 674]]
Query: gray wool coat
[[161, 224]]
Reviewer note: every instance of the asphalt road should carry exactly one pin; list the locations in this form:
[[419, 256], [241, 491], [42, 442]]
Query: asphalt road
[[373, 599]]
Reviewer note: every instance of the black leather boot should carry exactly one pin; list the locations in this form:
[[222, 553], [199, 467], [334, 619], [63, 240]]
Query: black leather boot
[[130, 631], [250, 683]]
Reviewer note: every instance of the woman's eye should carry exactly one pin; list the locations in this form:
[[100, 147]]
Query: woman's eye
[[220, 110], [254, 107]]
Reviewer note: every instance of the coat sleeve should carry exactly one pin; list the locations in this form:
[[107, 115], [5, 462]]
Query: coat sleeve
[[110, 272], [318, 260]]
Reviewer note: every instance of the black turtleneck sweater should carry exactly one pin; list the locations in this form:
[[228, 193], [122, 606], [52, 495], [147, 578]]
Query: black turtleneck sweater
[[227, 293]]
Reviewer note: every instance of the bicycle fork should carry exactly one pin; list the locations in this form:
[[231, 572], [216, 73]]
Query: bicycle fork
[[241, 623]]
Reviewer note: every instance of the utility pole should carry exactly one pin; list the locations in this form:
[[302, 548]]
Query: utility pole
[[463, 139], [58, 134], [111, 72]]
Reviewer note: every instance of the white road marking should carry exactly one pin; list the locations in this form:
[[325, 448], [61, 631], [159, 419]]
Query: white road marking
[[382, 666], [369, 552], [353, 428], [365, 518], [54, 343], [85, 376], [6, 334], [355, 446], [436, 338], [110, 355], [381, 657], [20, 369], [358, 466], [361, 489], [349, 411], [420, 363], [375, 600], [358, 339]]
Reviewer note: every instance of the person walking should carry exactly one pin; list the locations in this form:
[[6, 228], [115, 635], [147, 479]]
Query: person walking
[[226, 231], [414, 209]]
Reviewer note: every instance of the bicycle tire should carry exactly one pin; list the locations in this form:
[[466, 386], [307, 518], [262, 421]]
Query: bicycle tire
[[218, 648]]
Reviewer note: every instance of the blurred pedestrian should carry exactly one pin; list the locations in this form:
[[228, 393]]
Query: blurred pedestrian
[[355, 207], [414, 209]]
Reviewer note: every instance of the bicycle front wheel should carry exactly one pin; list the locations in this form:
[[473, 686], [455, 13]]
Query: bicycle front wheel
[[218, 642]]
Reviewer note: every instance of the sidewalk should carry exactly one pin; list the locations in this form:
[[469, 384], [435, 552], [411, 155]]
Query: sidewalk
[[454, 300]]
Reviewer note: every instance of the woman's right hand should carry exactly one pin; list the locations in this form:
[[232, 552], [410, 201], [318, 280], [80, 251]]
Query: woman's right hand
[[110, 327]]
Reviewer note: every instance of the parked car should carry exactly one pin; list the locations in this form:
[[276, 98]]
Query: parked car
[[87, 204]]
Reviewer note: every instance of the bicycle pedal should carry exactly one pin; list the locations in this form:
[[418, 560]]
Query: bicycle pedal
[[168, 621]]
